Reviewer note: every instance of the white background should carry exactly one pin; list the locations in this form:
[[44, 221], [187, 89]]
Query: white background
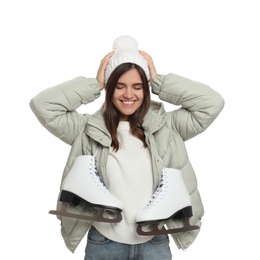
[[44, 43]]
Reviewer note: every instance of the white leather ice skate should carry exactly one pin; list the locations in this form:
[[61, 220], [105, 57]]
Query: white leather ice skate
[[82, 184], [170, 200]]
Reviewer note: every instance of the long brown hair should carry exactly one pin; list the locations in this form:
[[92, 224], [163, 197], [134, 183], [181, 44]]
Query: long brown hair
[[111, 114]]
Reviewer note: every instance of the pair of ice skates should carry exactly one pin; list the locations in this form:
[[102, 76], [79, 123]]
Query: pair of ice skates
[[83, 185]]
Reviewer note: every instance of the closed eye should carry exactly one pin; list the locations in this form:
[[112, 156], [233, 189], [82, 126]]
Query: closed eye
[[138, 86]]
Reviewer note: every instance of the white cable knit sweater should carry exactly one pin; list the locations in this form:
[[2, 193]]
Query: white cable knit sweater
[[130, 180]]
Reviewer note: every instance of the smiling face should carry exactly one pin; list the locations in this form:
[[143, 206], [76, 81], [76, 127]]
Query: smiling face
[[129, 94]]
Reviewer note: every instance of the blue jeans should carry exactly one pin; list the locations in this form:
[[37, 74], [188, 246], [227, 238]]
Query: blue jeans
[[101, 248]]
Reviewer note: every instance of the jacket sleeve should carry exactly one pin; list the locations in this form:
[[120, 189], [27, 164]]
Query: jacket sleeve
[[200, 104], [56, 107]]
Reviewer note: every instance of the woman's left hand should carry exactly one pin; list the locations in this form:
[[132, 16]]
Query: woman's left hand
[[151, 66]]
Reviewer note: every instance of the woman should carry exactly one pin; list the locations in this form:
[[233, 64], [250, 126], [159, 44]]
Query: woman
[[131, 137]]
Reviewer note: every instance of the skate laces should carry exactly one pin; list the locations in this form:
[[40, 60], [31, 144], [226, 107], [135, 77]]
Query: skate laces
[[160, 191], [95, 176]]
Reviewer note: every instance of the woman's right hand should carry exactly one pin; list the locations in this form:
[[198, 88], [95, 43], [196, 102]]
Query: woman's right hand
[[101, 71]]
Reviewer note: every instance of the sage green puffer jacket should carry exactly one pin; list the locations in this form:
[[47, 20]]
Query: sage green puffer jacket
[[166, 133]]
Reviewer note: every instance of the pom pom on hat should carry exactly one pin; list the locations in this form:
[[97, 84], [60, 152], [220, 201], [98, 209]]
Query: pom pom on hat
[[126, 50], [125, 42]]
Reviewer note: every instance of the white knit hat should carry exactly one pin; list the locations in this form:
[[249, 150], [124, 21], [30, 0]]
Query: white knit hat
[[126, 50]]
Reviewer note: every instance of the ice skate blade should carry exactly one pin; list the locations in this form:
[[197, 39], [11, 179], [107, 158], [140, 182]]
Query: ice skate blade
[[98, 215], [156, 231]]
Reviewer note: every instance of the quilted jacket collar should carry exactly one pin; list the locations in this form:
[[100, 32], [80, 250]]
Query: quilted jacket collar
[[153, 120]]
